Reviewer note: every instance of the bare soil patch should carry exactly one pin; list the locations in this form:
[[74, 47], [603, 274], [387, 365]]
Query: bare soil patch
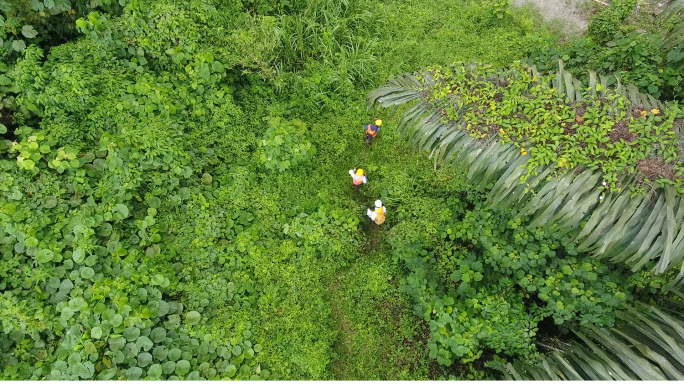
[[655, 169], [571, 15], [621, 131]]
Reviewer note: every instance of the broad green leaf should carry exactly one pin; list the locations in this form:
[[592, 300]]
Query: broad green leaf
[[134, 373], [154, 371], [29, 32], [120, 212], [96, 332], [182, 367], [231, 370], [160, 353], [18, 45], [54, 282], [158, 335], [144, 359], [175, 354], [237, 350], [44, 256], [157, 279], [117, 320], [87, 273], [78, 256], [169, 367], [144, 343], [131, 333], [193, 317]]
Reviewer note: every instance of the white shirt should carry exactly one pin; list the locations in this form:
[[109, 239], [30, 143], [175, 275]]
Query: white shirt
[[354, 176], [372, 214]]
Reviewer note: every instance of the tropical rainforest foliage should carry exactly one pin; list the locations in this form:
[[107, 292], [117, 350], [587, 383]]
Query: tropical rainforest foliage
[[176, 204]]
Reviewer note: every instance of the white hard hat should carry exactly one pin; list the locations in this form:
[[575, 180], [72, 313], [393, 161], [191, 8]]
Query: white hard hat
[[378, 203]]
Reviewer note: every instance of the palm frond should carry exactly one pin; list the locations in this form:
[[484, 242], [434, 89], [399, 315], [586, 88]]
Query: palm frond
[[616, 226], [647, 344], [675, 37]]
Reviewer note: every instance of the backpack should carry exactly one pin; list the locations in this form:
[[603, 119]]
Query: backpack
[[380, 218]]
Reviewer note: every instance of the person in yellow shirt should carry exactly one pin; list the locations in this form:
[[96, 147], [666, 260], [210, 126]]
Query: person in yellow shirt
[[377, 214]]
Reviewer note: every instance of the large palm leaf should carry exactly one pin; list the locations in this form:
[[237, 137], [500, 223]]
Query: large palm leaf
[[675, 37], [647, 344], [622, 228]]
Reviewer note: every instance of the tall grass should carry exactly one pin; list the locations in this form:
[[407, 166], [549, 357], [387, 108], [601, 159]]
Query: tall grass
[[322, 30], [328, 49]]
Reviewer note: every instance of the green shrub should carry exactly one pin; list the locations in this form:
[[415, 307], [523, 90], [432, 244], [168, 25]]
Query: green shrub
[[638, 58], [503, 108], [605, 24], [50, 22], [284, 146], [90, 187], [483, 281], [500, 7]]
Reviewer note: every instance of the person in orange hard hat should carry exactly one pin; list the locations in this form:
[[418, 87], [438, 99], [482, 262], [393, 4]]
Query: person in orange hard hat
[[358, 178]]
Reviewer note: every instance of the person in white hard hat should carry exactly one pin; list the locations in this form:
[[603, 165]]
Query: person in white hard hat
[[377, 214]]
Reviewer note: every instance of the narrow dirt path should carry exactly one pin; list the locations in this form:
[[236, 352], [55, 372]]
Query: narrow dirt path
[[378, 335], [345, 329]]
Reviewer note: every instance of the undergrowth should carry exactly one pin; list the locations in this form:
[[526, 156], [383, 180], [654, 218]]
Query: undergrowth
[[176, 205]]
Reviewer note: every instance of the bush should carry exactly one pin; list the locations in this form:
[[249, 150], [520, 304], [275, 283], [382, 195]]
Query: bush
[[483, 281], [639, 59], [607, 22], [500, 8], [49, 23], [283, 146]]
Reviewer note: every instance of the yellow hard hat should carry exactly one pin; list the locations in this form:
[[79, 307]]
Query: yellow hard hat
[[359, 172], [378, 122]]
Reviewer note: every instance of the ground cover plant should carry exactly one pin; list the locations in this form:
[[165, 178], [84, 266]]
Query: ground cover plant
[[176, 205]]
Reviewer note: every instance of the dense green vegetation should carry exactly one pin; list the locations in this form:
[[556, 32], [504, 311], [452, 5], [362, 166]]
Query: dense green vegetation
[[647, 53], [176, 205]]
